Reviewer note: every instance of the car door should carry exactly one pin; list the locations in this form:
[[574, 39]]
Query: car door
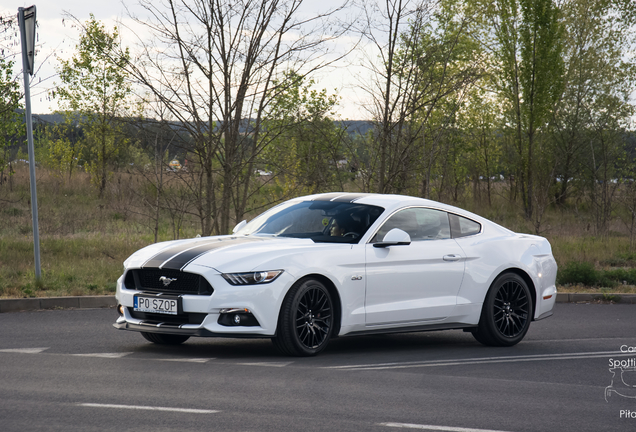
[[418, 282]]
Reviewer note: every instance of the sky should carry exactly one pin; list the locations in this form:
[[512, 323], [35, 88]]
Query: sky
[[57, 37]]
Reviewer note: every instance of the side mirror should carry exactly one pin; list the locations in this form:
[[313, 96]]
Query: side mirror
[[395, 237], [239, 226]]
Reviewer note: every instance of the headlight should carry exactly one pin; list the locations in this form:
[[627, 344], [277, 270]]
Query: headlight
[[251, 278]]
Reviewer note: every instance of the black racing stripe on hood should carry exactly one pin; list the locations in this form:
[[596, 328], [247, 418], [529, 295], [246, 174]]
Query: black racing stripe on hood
[[165, 255], [180, 259], [183, 259]]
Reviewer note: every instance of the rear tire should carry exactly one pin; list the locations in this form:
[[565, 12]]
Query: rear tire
[[306, 320], [506, 313], [165, 339]]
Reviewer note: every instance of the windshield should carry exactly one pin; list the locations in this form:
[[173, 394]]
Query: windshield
[[321, 221]]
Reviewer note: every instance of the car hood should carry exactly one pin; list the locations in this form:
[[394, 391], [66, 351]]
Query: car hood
[[223, 253]]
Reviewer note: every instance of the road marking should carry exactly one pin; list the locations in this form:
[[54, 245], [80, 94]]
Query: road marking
[[148, 408], [270, 364], [540, 341], [483, 360], [191, 360], [104, 355], [24, 350], [435, 428]]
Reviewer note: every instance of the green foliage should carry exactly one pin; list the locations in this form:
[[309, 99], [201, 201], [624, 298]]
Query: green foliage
[[541, 67], [84, 240], [621, 260], [423, 77], [592, 119], [578, 273], [482, 147], [96, 95], [305, 146], [63, 147], [11, 121], [528, 37], [584, 273], [93, 81]]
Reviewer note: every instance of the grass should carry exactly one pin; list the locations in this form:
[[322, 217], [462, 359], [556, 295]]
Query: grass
[[84, 239], [81, 265]]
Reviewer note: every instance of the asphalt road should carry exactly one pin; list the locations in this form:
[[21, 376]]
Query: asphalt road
[[69, 370]]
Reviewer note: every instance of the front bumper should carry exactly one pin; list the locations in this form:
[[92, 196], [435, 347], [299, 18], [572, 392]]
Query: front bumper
[[262, 301], [132, 324]]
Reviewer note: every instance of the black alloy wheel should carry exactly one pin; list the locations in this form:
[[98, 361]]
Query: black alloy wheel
[[506, 313], [511, 311], [306, 319]]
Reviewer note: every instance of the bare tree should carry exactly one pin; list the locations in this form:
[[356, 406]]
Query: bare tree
[[421, 70], [212, 64]]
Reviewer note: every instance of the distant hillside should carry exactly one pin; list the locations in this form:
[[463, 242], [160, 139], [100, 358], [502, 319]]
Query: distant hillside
[[48, 118], [356, 126], [353, 126]]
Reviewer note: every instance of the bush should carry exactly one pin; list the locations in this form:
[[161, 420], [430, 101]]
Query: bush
[[622, 276], [576, 272], [584, 273]]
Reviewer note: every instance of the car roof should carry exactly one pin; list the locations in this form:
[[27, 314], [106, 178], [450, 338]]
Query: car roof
[[362, 198], [391, 202]]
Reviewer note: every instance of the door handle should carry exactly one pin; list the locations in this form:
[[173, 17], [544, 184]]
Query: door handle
[[452, 257]]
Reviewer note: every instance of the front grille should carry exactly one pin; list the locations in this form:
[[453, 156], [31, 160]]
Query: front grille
[[150, 280], [184, 318]]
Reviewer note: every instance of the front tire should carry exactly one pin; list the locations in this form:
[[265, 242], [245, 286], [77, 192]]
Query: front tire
[[165, 339], [306, 320], [506, 313]]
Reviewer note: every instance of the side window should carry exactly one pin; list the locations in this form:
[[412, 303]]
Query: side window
[[462, 227], [419, 223]]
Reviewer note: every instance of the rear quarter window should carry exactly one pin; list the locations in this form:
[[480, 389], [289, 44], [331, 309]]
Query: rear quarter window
[[463, 227]]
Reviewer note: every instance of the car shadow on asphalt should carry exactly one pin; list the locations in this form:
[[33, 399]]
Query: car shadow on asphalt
[[391, 346]]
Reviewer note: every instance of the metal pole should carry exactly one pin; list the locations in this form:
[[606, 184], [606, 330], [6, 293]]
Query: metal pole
[[27, 104]]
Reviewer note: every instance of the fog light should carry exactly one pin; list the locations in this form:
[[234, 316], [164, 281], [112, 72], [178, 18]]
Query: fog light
[[237, 317], [120, 309]]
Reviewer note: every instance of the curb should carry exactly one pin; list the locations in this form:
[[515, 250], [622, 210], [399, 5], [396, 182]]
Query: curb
[[95, 302], [80, 302], [587, 298]]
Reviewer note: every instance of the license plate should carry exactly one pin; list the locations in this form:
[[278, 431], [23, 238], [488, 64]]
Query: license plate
[[156, 305]]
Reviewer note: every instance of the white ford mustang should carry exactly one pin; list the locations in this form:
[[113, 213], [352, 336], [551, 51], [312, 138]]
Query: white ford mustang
[[338, 264]]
